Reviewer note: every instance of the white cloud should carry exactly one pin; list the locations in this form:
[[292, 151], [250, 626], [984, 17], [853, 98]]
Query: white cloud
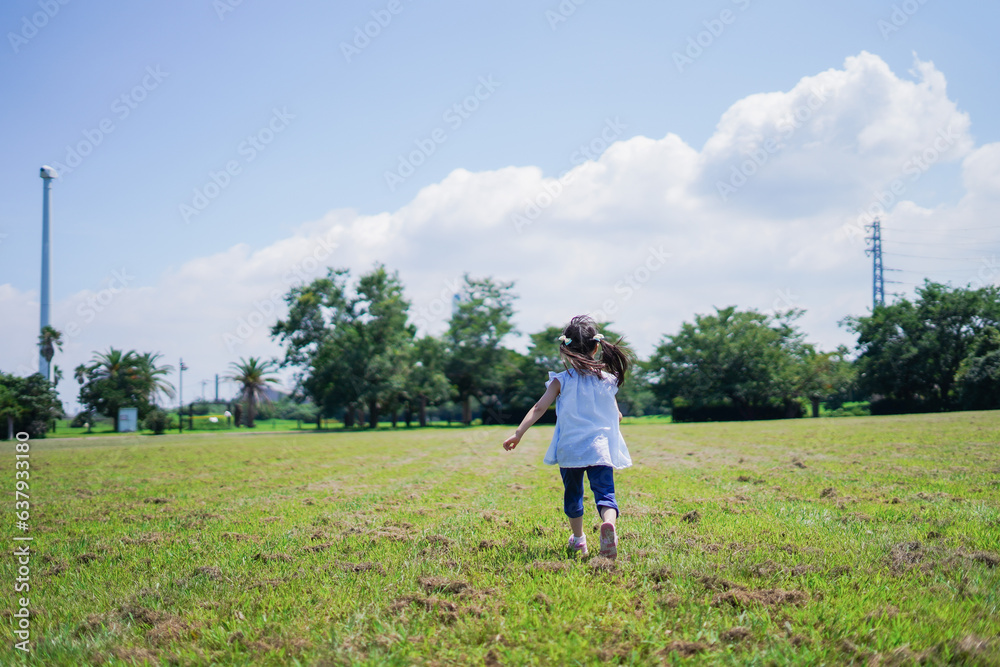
[[776, 241]]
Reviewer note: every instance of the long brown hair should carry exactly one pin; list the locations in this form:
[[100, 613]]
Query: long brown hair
[[614, 358]]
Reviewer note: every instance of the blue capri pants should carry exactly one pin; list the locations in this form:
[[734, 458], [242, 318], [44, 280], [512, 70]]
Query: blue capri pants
[[602, 483]]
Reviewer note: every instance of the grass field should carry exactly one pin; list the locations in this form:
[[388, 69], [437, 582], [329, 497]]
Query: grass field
[[828, 541]]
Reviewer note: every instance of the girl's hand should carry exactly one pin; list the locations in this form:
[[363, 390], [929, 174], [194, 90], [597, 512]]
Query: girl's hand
[[511, 442]]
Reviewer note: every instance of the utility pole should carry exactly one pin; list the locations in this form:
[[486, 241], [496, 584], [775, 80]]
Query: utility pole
[[48, 174], [874, 250], [216, 387], [180, 408]]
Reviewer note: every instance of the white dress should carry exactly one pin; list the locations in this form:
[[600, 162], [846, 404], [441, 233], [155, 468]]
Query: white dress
[[587, 432]]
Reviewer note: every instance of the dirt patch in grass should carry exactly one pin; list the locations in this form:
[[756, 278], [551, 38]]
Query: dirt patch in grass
[[139, 614], [83, 559], [714, 583], [147, 538], [828, 492], [387, 532], [668, 601], [95, 623], [442, 585], [485, 545], [209, 571], [770, 597], [55, 570], [270, 519], [318, 547], [906, 556], [661, 574], [156, 501], [602, 564], [446, 610], [132, 655], [271, 558], [168, 629], [973, 649], [735, 634], [886, 611], [986, 558], [684, 649], [358, 568], [238, 537], [694, 516], [289, 646]]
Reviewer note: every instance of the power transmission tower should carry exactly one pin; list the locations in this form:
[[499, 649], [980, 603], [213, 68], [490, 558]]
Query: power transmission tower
[[874, 250]]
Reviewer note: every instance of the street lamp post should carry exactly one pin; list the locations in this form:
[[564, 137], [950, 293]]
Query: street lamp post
[[48, 174]]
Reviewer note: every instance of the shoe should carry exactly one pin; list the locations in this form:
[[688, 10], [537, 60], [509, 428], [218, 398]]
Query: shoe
[[609, 541], [578, 545]]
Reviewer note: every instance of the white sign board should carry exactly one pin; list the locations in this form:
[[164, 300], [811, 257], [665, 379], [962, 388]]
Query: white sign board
[[128, 420]]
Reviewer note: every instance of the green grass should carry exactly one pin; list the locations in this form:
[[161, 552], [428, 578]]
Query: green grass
[[106, 428], [437, 547]]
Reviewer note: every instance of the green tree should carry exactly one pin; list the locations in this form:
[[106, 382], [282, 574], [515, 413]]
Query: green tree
[[10, 409], [253, 376], [821, 375], [481, 319], [28, 404], [978, 377], [150, 375], [49, 339], [112, 381], [426, 382], [352, 346], [383, 340], [911, 352], [743, 359]]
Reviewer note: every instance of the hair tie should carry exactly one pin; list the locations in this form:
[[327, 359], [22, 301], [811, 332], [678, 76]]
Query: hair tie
[[598, 337], [565, 339]]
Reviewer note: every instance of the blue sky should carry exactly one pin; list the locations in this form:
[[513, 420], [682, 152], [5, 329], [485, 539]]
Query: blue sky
[[201, 78]]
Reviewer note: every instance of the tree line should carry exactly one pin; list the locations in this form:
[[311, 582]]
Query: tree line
[[357, 357]]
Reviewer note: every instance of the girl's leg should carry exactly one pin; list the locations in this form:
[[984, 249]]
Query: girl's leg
[[573, 498], [602, 484]]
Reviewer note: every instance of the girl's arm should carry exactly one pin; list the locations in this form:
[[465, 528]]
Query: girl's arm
[[536, 411]]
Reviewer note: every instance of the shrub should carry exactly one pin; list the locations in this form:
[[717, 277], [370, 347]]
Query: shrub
[[82, 418], [158, 421]]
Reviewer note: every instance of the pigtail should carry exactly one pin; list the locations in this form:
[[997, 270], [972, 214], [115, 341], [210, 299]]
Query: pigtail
[[616, 359], [577, 344]]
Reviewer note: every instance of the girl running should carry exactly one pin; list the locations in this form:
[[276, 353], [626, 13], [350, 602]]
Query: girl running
[[587, 438]]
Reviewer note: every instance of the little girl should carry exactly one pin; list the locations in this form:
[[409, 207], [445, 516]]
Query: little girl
[[587, 437]]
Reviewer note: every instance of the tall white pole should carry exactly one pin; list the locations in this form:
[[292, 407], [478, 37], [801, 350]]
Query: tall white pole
[[47, 174]]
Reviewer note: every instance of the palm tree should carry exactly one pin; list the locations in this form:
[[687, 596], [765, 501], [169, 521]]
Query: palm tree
[[113, 377], [151, 376], [114, 365], [253, 374], [48, 341]]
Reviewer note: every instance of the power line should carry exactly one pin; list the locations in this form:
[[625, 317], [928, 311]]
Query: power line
[[952, 259], [956, 245], [938, 229]]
